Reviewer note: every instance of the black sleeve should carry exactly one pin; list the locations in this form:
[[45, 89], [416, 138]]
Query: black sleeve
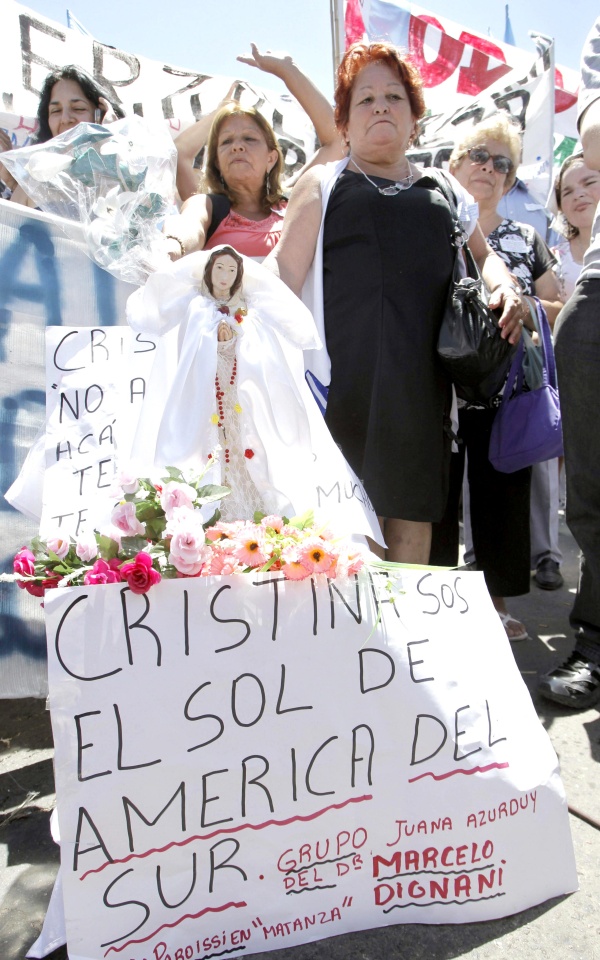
[[543, 259]]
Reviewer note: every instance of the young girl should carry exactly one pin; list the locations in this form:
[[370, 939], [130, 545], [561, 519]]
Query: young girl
[[577, 191]]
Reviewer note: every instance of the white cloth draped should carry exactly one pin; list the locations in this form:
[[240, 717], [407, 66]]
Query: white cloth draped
[[295, 464]]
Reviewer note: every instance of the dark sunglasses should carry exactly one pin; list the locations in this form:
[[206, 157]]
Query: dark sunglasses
[[480, 155]]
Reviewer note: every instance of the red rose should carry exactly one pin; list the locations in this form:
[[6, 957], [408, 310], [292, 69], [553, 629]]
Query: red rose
[[140, 574], [248, 454], [49, 581], [37, 588], [34, 587]]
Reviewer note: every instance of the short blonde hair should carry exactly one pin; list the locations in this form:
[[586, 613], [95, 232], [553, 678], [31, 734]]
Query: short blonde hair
[[499, 127]]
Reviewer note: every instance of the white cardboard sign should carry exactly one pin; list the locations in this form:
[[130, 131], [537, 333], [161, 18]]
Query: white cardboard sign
[[245, 764], [95, 383]]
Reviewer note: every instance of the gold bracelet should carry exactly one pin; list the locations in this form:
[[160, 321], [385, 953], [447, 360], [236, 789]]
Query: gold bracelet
[[179, 241]]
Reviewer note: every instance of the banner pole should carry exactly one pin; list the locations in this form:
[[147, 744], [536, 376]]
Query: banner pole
[[336, 10], [546, 49]]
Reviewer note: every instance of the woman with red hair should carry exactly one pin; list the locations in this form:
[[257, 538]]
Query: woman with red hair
[[372, 236]]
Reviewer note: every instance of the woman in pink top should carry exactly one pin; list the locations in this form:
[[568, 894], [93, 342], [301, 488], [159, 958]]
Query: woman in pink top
[[244, 199], [254, 238], [244, 203]]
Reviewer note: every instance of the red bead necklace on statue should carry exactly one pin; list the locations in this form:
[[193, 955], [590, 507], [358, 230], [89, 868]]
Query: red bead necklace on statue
[[219, 392], [239, 315]]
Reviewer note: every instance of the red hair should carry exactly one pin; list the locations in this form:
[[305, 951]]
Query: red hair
[[359, 55]]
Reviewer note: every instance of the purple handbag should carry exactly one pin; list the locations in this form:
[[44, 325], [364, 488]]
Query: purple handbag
[[527, 428]]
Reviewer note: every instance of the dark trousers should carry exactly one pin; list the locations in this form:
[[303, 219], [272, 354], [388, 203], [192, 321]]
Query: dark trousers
[[499, 511], [577, 349]]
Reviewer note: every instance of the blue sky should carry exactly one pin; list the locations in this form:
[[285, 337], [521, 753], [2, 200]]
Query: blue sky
[[208, 35]]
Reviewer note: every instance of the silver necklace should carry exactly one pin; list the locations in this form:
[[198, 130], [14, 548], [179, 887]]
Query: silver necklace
[[394, 188]]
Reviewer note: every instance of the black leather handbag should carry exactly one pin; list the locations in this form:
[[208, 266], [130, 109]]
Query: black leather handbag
[[470, 346]]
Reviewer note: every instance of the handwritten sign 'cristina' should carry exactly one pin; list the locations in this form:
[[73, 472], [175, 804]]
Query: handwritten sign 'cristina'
[[245, 764]]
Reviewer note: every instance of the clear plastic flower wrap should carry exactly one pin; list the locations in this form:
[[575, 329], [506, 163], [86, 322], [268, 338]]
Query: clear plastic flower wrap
[[117, 180]]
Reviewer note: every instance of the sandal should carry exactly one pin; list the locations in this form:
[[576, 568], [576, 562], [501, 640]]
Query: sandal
[[506, 619]]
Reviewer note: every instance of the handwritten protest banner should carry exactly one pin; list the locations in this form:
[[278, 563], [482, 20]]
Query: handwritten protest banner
[[34, 45], [96, 381], [246, 764]]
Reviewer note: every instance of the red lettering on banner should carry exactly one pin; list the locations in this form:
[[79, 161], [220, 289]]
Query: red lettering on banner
[[354, 23], [472, 79], [449, 54], [563, 99], [479, 75]]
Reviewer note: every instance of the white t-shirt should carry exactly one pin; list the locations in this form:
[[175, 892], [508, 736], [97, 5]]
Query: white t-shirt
[[567, 269]]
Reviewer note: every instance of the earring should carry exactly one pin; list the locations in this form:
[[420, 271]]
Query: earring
[[223, 184], [268, 182]]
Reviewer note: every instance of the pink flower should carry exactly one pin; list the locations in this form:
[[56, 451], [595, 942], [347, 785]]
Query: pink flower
[[355, 563], [188, 552], [125, 520], [176, 495], [349, 563], [86, 548], [59, 545], [224, 531], [294, 570], [24, 563], [221, 564], [250, 547], [103, 572], [289, 531], [140, 574], [275, 523], [127, 481], [314, 555], [185, 518]]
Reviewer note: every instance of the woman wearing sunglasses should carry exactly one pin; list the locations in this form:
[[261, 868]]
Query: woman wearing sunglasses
[[485, 164]]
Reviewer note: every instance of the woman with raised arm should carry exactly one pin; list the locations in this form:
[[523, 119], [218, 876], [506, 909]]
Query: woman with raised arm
[[376, 234], [244, 203]]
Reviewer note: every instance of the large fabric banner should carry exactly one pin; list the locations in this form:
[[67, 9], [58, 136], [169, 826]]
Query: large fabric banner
[[245, 764], [457, 64], [468, 77], [45, 279], [33, 45], [528, 102]]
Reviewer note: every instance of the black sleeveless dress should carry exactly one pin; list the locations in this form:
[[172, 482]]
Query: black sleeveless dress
[[387, 264]]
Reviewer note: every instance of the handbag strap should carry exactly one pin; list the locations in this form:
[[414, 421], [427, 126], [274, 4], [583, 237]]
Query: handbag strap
[[549, 372], [442, 183], [516, 374]]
